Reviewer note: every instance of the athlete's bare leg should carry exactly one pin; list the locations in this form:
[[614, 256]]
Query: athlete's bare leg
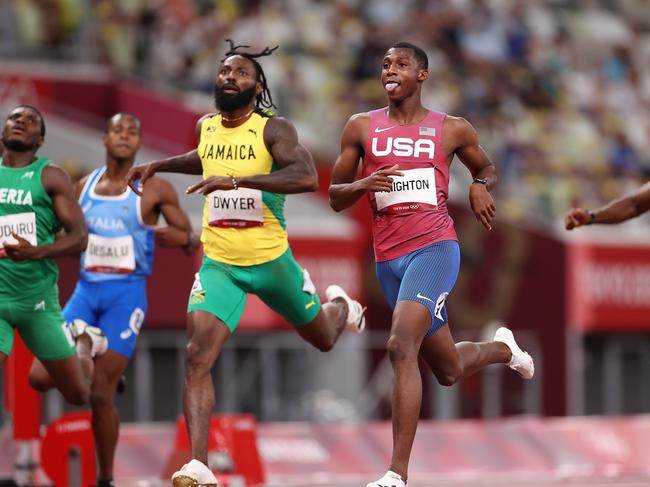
[[109, 367], [324, 330], [411, 320], [72, 376], [451, 362], [448, 361], [207, 334]]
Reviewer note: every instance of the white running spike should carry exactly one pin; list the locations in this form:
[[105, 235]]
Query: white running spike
[[390, 479], [356, 320], [194, 474], [521, 362]]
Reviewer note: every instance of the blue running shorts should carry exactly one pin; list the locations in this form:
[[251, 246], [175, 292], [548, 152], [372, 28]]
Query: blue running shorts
[[426, 276], [117, 307]]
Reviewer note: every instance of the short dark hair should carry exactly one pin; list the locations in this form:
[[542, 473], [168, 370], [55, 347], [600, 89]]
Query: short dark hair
[[109, 123], [264, 98], [37, 112], [418, 53]]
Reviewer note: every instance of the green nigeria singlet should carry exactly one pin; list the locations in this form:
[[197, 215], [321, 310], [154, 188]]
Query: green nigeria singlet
[[27, 210]]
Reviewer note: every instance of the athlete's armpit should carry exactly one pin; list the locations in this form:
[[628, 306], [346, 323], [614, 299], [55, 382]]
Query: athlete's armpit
[[58, 185], [178, 232], [344, 191]]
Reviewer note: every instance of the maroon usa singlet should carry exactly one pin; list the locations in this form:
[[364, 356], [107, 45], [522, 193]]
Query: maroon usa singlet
[[414, 214]]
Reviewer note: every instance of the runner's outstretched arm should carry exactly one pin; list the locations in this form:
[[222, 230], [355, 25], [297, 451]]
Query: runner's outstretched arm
[[616, 211], [188, 163]]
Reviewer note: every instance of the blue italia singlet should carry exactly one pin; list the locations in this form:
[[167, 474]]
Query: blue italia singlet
[[120, 245]]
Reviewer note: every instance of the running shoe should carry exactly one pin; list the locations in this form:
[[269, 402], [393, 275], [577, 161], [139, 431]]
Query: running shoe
[[97, 337], [521, 362], [194, 474], [390, 479], [356, 320]]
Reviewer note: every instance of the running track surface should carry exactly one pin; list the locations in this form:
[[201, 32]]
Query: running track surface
[[558, 483]]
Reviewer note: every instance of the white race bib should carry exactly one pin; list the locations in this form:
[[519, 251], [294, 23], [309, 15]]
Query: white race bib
[[235, 208], [414, 191], [113, 255], [23, 224]]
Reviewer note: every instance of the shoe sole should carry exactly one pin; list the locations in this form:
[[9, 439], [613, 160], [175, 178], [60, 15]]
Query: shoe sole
[[532, 363], [185, 481]]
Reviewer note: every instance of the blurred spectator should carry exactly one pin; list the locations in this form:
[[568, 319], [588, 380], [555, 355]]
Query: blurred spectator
[[559, 91]]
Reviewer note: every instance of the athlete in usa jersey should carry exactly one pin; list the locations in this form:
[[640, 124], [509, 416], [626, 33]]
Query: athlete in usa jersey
[[111, 292], [406, 151], [414, 213]]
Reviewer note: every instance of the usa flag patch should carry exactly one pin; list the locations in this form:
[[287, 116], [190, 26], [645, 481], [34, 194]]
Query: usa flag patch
[[428, 131]]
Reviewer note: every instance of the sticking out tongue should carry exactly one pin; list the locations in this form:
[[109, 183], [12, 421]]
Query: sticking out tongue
[[391, 86]]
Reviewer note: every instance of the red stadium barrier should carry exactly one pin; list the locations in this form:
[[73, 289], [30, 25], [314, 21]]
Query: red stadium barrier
[[608, 287], [70, 432]]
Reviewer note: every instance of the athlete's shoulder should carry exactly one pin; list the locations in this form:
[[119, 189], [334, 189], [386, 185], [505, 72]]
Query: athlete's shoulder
[[356, 127], [55, 179], [458, 132], [54, 170], [458, 124], [158, 190], [81, 183], [206, 117], [277, 126], [199, 123], [266, 112], [156, 185]]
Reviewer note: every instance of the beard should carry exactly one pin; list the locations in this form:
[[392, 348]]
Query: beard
[[18, 146], [225, 102]]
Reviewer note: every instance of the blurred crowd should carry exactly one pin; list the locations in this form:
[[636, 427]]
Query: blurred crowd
[[558, 90]]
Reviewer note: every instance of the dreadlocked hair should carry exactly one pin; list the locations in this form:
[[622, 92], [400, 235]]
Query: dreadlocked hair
[[264, 98]]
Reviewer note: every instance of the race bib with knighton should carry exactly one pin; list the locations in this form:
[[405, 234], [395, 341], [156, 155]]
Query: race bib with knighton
[[23, 224], [114, 255], [235, 208], [414, 191]]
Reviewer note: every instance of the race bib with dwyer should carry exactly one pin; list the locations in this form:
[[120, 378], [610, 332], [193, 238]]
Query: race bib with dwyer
[[412, 192], [235, 208], [113, 255], [23, 224]]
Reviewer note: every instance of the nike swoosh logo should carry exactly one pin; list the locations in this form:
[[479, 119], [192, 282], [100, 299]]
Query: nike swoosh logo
[[378, 130], [423, 297]]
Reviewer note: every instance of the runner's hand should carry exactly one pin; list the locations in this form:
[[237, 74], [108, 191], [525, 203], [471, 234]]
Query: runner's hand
[[482, 204], [576, 217], [142, 173], [381, 180], [23, 250], [213, 183]]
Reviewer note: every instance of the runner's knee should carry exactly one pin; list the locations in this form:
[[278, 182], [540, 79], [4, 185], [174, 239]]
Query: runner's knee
[[324, 344], [198, 357], [77, 396], [37, 382], [449, 373], [400, 349]]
